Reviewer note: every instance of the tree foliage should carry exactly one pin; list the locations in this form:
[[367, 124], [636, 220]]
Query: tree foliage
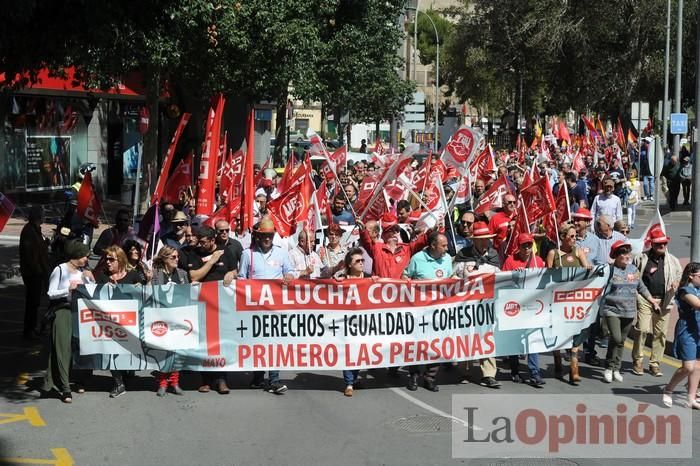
[[596, 55]]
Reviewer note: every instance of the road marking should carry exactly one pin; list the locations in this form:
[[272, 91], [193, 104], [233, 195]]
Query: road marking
[[430, 408], [30, 415], [61, 457], [647, 353]]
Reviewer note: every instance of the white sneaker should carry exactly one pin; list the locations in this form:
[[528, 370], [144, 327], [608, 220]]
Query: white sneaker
[[617, 376], [608, 375]]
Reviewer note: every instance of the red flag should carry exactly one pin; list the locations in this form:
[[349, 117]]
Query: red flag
[[483, 165], [340, 157], [538, 199], [422, 175], [293, 205], [229, 212], [649, 128], [288, 174], [206, 184], [461, 148], [388, 173], [334, 160], [179, 182], [258, 178], [367, 189], [6, 209], [578, 164], [89, 206], [248, 183], [492, 198], [601, 127], [223, 150], [619, 134], [231, 175], [590, 126], [522, 225], [564, 133], [323, 205], [438, 167], [165, 170]]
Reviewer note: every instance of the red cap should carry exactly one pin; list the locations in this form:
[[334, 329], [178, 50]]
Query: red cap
[[657, 236], [388, 220], [525, 238], [617, 245], [482, 230], [582, 213]]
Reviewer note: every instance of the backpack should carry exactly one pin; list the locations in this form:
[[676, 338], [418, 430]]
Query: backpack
[[687, 172]]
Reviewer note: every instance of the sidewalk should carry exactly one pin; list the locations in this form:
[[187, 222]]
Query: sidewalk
[[9, 257]]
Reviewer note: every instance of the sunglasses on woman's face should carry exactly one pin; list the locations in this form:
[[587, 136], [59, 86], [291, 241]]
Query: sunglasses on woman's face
[[110, 259]]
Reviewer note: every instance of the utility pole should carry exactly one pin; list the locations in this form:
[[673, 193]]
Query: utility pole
[[695, 220], [664, 102], [679, 63]]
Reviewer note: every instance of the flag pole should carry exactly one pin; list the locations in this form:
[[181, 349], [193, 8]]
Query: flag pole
[[448, 214]]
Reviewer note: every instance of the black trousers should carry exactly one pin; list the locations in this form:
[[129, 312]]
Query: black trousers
[[686, 184], [34, 287], [430, 373], [674, 189]]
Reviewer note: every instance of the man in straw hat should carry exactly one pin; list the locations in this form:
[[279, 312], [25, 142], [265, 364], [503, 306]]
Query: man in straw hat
[[480, 257]]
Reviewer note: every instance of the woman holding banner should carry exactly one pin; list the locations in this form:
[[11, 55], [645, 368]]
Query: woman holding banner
[[333, 254], [134, 256], [353, 265], [64, 279], [116, 273], [619, 305], [166, 271], [568, 255]]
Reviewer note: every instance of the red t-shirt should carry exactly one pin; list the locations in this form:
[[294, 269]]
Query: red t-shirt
[[513, 262], [387, 264]]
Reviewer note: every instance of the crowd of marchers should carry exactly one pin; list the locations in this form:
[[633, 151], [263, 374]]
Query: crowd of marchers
[[603, 183]]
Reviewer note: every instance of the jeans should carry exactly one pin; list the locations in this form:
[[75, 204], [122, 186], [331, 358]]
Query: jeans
[[619, 328], [350, 376], [631, 215], [260, 376], [533, 365], [648, 186]]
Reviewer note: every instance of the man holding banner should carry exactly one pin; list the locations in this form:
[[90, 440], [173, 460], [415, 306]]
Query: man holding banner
[[266, 261], [211, 262], [430, 264]]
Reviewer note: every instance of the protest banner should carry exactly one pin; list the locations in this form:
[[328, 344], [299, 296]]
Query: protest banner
[[332, 325]]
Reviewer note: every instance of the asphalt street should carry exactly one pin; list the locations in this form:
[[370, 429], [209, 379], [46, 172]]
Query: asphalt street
[[313, 423]]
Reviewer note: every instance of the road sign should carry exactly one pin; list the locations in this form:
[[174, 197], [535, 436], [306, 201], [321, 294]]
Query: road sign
[[414, 113], [679, 123]]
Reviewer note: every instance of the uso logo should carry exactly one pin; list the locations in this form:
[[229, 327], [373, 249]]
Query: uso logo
[[159, 328], [511, 308]]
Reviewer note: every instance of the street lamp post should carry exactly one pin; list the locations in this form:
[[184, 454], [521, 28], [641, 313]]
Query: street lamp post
[[679, 62], [437, 63], [664, 102], [437, 76]]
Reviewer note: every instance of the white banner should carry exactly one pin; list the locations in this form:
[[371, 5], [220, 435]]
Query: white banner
[[333, 325]]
